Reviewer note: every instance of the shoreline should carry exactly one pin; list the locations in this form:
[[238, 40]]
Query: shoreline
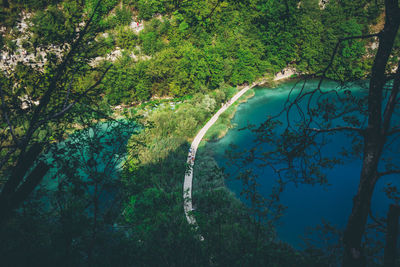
[[219, 134], [188, 179], [226, 123]]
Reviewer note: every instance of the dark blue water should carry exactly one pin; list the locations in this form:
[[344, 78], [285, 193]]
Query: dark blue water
[[307, 205]]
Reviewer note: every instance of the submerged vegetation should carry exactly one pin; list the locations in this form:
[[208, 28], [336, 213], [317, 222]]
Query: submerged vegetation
[[166, 66]]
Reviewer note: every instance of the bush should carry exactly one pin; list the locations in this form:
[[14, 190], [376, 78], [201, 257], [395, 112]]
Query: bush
[[147, 8], [126, 38], [150, 42], [123, 16]]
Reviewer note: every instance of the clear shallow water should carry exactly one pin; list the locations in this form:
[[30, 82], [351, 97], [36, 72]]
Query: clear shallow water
[[307, 205]]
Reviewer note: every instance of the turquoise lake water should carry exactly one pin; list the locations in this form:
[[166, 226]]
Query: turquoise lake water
[[307, 206], [95, 153]]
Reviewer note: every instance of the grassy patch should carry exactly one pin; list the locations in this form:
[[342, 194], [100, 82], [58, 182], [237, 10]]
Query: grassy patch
[[223, 124]]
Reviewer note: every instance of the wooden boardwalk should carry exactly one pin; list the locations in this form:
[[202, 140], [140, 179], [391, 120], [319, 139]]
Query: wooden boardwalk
[[188, 182]]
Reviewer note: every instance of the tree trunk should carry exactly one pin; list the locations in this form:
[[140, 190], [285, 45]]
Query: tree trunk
[[391, 235], [374, 140], [353, 253], [10, 202]]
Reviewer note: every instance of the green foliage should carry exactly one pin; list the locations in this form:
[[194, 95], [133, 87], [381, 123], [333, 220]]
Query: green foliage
[[123, 16], [125, 38], [150, 42], [320, 30], [183, 26], [190, 53], [198, 50], [10, 9], [244, 68], [50, 26], [148, 8], [350, 63], [154, 177], [127, 82], [310, 46], [68, 219]]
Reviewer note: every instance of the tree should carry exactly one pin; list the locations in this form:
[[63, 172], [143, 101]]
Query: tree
[[375, 135], [72, 216], [323, 113], [38, 100], [84, 189]]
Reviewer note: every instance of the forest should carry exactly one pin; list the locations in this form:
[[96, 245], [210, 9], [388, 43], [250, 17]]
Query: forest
[[100, 100]]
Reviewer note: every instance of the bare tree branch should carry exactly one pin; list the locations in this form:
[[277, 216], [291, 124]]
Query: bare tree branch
[[394, 131], [58, 73], [343, 128], [390, 172], [67, 108], [335, 50], [69, 89]]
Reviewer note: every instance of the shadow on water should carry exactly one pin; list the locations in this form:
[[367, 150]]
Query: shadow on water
[[90, 161], [68, 220], [88, 212], [307, 205], [147, 226], [231, 236]]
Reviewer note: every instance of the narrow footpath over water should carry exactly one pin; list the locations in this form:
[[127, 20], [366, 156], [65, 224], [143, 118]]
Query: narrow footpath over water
[[188, 182]]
